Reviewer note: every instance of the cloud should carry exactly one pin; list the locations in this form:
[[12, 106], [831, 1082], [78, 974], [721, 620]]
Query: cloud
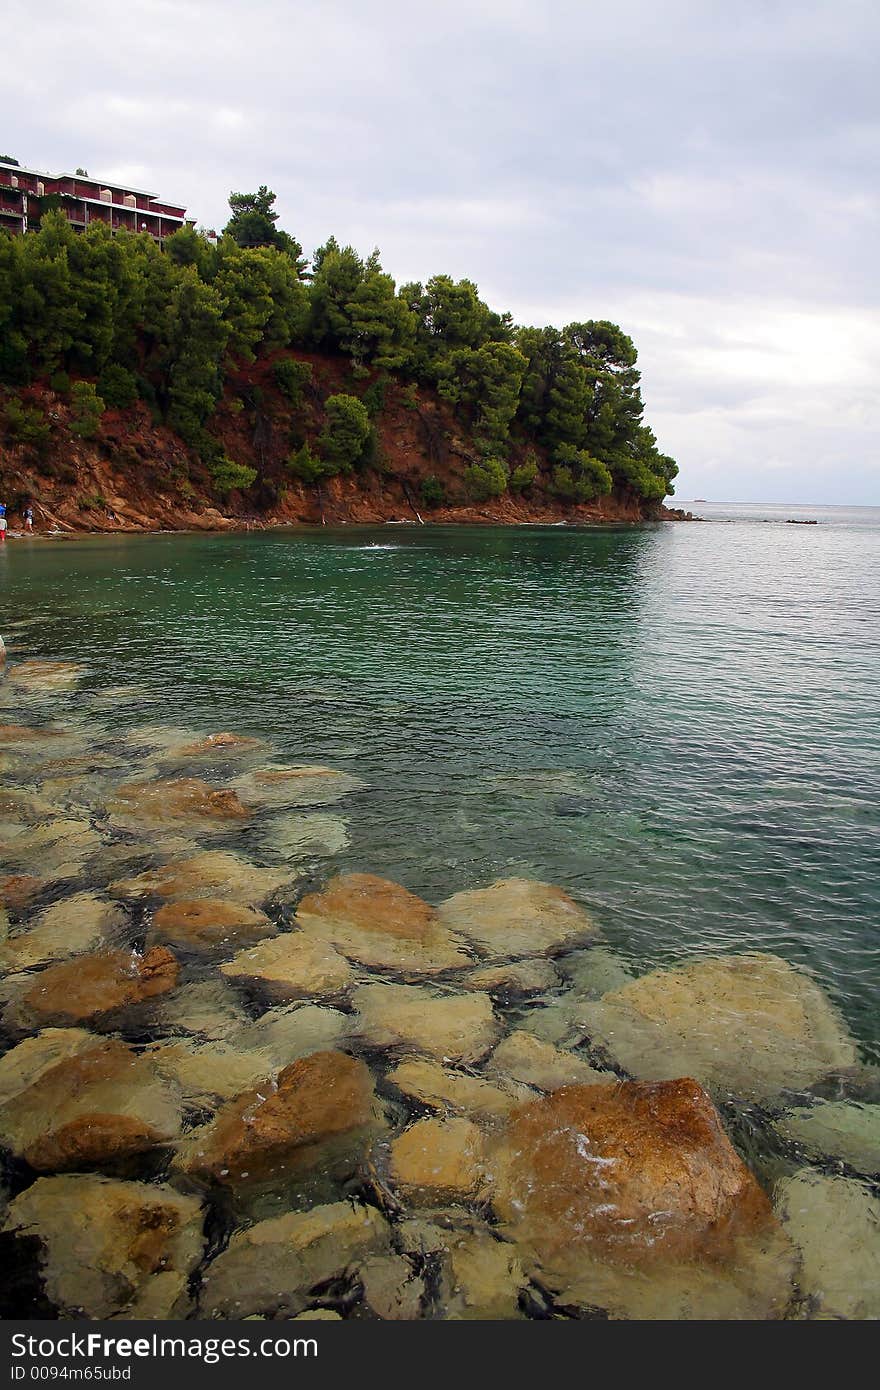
[[703, 174]]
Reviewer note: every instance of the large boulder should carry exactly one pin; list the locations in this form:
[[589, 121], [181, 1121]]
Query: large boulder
[[92, 987], [380, 924], [318, 1108], [631, 1197], [517, 917], [104, 1242], [271, 1268], [750, 1024], [206, 924], [835, 1223], [73, 1099], [449, 1027], [294, 965]]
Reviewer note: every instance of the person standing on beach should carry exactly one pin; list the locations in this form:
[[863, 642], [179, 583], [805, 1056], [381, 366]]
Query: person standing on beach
[[2, 522], [29, 518]]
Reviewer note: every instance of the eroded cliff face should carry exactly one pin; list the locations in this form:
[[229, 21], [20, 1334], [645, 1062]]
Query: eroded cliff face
[[137, 475]]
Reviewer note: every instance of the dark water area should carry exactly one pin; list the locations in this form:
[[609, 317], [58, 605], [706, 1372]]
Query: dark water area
[[677, 724]]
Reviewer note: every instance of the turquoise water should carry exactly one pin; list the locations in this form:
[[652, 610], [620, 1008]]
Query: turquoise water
[[676, 723]]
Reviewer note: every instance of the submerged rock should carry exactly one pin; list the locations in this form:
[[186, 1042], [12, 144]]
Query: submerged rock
[[104, 1242], [99, 1100], [207, 1009], [26, 733], [630, 1197], [392, 1289], [288, 1033], [204, 924], [439, 1160], [45, 676], [60, 847], [226, 744], [750, 1024], [380, 924], [208, 1072], [212, 874], [272, 1267], [595, 971], [282, 787], [514, 977], [17, 891], [518, 917], [837, 1129], [314, 1111], [532, 1062], [450, 1027], [442, 1089], [24, 1064], [835, 1222], [89, 987], [175, 800], [292, 966], [67, 928], [302, 836], [481, 1278]]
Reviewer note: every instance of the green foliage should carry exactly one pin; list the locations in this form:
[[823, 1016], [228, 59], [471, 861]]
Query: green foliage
[[433, 492], [92, 502], [25, 424], [523, 476], [486, 479], [228, 476], [305, 465], [252, 224], [346, 434], [117, 386], [589, 477], [291, 378], [86, 409], [375, 395], [60, 383]]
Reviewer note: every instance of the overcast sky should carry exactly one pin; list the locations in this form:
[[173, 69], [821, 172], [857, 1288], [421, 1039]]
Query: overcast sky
[[704, 174]]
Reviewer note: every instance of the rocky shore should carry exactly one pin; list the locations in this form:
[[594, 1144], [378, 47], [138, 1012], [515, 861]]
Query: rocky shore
[[230, 1090]]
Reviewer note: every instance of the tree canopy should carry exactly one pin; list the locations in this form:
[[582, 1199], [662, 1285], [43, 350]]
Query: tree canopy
[[172, 324]]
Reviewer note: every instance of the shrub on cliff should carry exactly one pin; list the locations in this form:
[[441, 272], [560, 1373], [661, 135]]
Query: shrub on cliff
[[523, 476], [118, 387], [25, 424], [432, 490], [227, 475], [582, 476], [305, 465], [292, 378], [86, 409], [346, 434], [486, 479]]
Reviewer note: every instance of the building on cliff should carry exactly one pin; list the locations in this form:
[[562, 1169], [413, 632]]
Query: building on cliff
[[27, 193]]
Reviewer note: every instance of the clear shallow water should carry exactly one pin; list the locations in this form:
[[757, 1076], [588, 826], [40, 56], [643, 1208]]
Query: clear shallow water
[[678, 724]]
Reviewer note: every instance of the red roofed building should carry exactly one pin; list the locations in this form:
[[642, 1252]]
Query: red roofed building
[[24, 194]]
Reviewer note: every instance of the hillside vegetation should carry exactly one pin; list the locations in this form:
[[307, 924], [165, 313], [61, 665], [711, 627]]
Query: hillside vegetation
[[237, 373]]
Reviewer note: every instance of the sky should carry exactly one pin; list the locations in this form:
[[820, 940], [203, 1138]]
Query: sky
[[703, 174]]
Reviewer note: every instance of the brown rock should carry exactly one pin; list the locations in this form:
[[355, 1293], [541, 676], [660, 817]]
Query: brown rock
[[439, 1160], [532, 1062], [379, 923], [91, 986], [175, 799], [631, 1171], [518, 917], [99, 1102], [202, 924], [18, 890], [481, 1278], [25, 733], [286, 1126], [219, 743], [76, 924]]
